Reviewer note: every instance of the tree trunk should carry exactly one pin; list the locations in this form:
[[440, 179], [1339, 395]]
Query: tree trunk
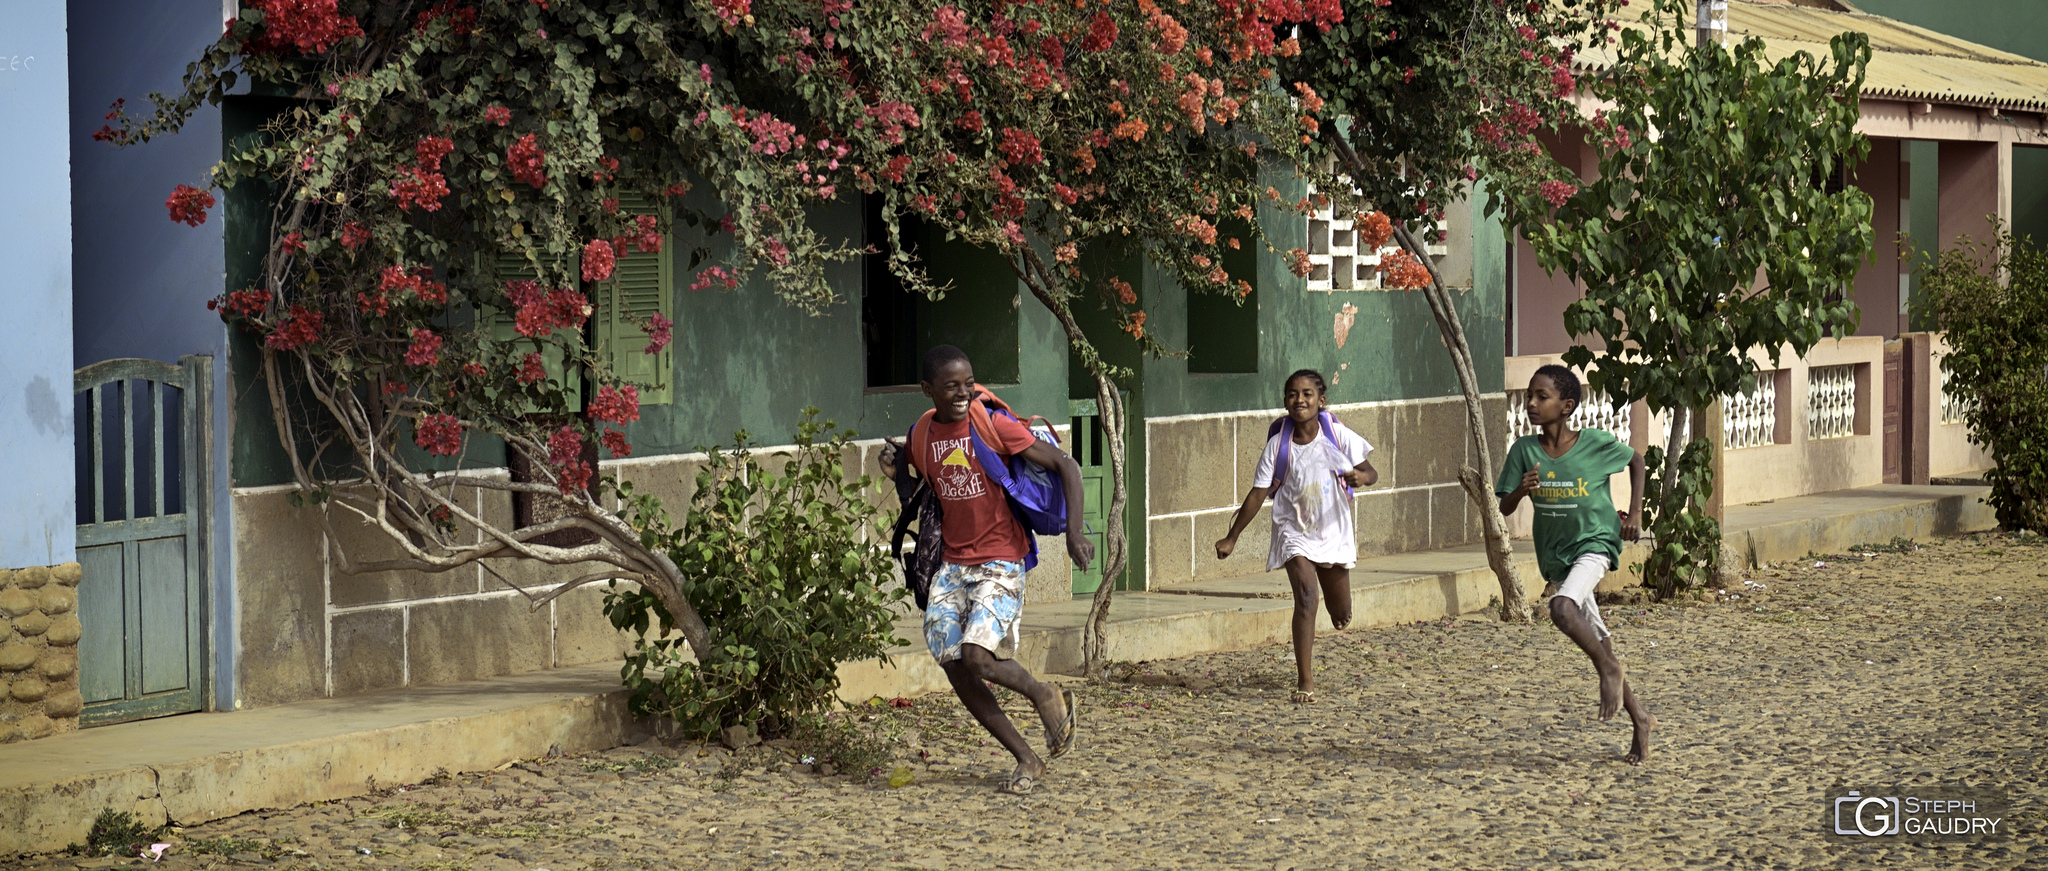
[[1115, 554], [1500, 552]]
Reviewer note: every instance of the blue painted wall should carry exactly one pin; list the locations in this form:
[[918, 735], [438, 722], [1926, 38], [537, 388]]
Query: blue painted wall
[[36, 507], [141, 282]]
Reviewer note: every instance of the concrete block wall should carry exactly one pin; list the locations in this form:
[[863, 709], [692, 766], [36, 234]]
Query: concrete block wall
[[1200, 466], [39, 632], [310, 630]]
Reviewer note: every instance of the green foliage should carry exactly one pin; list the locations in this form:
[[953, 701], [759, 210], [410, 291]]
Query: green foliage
[[1998, 365], [1436, 91], [113, 831], [785, 560], [1669, 240]]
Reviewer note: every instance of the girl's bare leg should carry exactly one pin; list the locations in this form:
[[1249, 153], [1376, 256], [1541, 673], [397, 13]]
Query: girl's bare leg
[[1303, 577], [1336, 584]]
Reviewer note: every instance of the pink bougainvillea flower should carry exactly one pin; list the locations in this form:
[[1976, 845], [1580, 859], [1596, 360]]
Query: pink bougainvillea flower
[[599, 258], [660, 331]]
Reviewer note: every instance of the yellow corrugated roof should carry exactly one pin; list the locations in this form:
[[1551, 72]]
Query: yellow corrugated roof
[[1907, 62]]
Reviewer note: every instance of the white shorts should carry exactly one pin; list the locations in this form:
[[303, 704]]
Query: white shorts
[[1585, 574]]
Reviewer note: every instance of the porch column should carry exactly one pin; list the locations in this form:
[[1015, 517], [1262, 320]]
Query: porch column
[[1976, 183]]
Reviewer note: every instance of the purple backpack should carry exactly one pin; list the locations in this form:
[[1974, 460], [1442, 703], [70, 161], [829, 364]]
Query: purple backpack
[[1284, 428]]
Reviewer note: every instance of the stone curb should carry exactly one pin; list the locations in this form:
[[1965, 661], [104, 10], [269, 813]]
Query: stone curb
[[209, 766]]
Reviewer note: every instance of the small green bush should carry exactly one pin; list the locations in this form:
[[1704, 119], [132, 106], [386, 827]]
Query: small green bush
[[787, 563], [114, 831], [1998, 364]]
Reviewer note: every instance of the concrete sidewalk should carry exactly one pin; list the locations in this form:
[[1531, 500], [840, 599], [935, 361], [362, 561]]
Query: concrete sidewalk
[[201, 767]]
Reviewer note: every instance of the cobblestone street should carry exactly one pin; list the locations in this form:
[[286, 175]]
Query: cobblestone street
[[1459, 744]]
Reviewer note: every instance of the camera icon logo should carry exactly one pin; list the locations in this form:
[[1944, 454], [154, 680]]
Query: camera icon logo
[[1871, 815]]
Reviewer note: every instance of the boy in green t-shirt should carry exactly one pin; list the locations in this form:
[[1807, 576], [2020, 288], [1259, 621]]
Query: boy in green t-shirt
[[1578, 532]]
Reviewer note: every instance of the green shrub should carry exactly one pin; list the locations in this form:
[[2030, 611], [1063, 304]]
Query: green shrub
[[1998, 365], [114, 831], [788, 565]]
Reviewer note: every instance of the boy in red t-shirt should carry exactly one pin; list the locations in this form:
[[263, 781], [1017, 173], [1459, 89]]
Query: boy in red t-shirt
[[971, 621]]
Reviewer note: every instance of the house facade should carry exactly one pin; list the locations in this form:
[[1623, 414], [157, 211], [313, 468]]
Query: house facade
[[160, 495]]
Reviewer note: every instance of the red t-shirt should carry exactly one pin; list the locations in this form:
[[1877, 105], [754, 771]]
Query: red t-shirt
[[978, 525]]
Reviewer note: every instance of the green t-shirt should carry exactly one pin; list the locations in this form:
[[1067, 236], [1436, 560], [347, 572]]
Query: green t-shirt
[[1574, 513]]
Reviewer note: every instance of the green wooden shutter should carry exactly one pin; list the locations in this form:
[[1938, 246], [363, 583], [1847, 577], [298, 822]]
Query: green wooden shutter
[[639, 287], [512, 267]]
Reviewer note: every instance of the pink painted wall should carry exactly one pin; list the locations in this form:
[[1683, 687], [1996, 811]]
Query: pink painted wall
[[1877, 286]]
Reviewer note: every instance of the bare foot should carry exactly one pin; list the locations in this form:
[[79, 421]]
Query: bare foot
[[1612, 686], [1023, 780], [1639, 749]]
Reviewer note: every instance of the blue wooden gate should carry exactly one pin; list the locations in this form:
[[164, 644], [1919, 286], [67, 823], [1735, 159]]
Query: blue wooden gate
[[143, 487]]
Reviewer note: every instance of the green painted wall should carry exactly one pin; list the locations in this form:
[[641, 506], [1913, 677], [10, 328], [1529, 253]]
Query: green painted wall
[[745, 360]]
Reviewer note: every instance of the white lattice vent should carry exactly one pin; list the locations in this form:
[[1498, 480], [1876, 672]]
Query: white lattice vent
[[1830, 402], [1336, 260], [1596, 412], [1750, 420], [1952, 406]]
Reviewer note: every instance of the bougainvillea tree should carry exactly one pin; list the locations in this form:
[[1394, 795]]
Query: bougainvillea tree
[[1434, 95], [449, 185], [1053, 132], [1742, 182]]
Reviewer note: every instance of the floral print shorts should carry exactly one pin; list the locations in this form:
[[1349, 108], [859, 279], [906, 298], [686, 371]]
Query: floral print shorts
[[980, 605]]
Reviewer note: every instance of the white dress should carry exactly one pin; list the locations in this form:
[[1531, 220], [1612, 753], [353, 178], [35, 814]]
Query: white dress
[[1312, 516]]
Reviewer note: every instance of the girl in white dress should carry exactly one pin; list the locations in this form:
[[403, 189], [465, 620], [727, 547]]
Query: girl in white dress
[[1310, 468]]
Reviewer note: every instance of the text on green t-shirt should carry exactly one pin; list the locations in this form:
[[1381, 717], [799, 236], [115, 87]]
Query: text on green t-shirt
[[1574, 511]]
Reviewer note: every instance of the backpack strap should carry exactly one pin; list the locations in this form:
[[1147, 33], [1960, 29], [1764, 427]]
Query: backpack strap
[[1284, 428]]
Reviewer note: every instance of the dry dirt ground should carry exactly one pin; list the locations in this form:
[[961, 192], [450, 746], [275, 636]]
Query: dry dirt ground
[[1460, 744]]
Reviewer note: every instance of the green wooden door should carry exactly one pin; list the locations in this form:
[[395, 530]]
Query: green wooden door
[[143, 485], [1091, 453]]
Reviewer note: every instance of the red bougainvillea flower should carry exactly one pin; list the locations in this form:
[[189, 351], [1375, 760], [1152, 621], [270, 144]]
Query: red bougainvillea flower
[[188, 205], [474, 370], [425, 349], [542, 313], [660, 331], [1101, 32], [244, 303], [715, 275], [615, 442], [616, 404], [353, 235], [531, 369], [292, 243], [527, 161], [565, 453], [305, 26], [1137, 326], [598, 260], [498, 115], [439, 434], [296, 330]]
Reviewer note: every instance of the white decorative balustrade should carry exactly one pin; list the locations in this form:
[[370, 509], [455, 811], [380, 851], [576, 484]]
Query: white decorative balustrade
[[1750, 420], [1596, 412], [1831, 402]]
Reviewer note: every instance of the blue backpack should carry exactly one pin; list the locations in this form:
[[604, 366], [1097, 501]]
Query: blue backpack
[[1284, 428], [1037, 496]]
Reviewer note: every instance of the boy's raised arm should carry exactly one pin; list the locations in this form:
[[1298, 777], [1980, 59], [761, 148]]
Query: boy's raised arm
[[1079, 548]]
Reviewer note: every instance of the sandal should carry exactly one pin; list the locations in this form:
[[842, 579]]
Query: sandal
[[1303, 697], [1019, 783], [1057, 745]]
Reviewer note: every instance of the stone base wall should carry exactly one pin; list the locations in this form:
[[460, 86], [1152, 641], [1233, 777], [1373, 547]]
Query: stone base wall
[[1199, 468], [39, 633], [310, 630]]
